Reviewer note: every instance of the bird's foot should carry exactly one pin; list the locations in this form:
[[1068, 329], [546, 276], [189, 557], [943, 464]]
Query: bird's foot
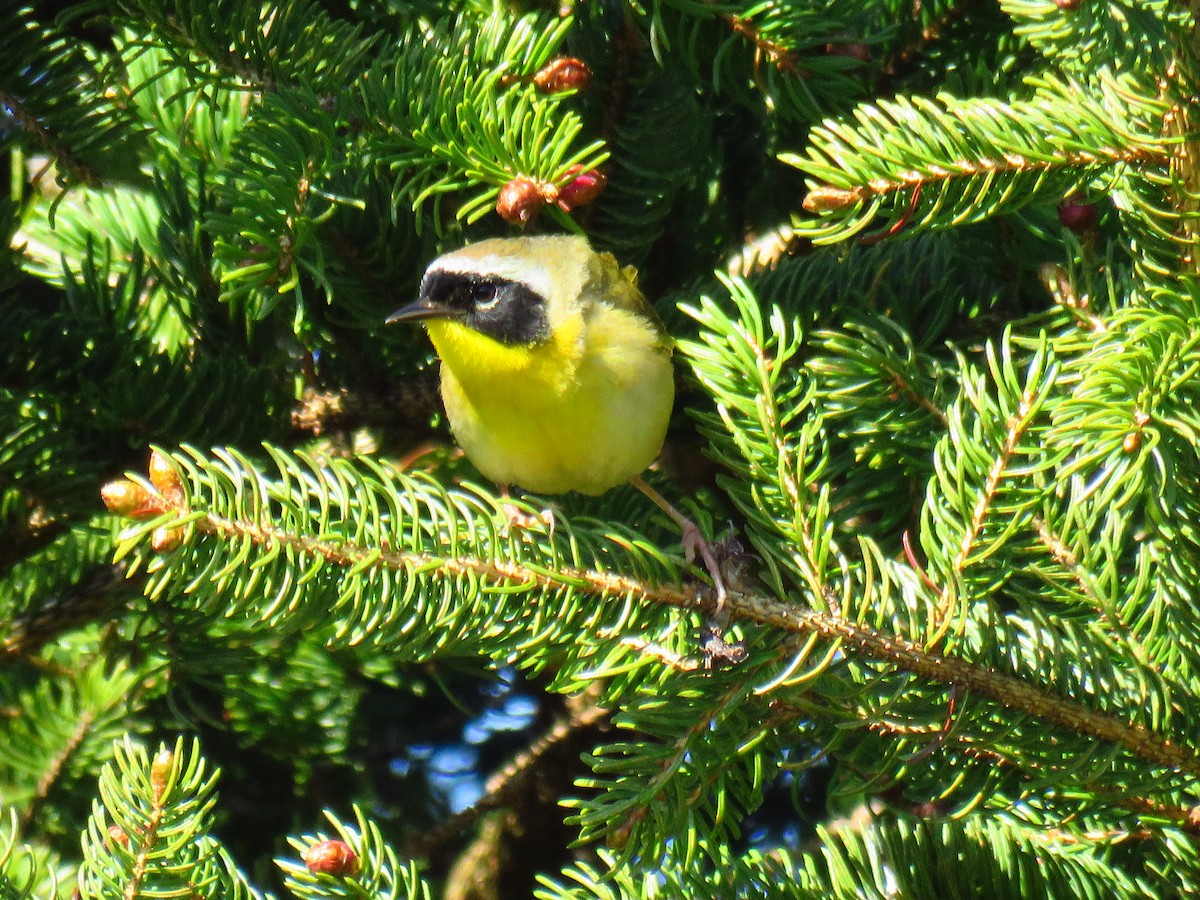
[[718, 652]]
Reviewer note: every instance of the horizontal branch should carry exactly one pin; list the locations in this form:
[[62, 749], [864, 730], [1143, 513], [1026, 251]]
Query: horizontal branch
[[824, 198], [67, 160], [1007, 690]]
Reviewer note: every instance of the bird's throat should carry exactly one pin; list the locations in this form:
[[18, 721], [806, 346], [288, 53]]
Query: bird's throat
[[483, 364]]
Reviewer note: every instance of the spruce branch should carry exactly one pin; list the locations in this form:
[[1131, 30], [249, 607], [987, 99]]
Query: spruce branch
[[1181, 817], [1016, 448], [25, 872], [926, 25], [997, 856], [943, 162], [64, 728], [54, 93], [542, 571], [366, 868], [147, 835], [491, 128], [514, 778], [95, 595], [58, 764], [800, 60], [1009, 692], [781, 57], [74, 169], [1180, 125], [292, 43], [1061, 31]]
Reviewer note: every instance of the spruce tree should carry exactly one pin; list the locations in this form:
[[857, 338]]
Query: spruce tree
[[931, 269]]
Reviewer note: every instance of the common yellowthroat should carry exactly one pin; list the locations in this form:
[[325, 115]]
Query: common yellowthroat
[[556, 373]]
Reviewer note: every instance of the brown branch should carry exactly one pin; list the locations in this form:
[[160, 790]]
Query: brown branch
[[1007, 690], [928, 35], [67, 160], [147, 838], [905, 387], [781, 57], [54, 771], [510, 781], [1185, 818], [96, 593], [827, 197], [1179, 125], [406, 406]]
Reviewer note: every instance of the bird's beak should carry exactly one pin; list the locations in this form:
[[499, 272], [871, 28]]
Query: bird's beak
[[423, 309]]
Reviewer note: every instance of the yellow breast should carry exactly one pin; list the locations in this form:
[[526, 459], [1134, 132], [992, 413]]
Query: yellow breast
[[584, 411]]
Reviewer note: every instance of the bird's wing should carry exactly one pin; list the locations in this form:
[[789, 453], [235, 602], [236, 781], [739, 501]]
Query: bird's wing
[[618, 286]]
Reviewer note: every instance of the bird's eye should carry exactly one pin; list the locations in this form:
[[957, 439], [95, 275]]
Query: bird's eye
[[484, 295]]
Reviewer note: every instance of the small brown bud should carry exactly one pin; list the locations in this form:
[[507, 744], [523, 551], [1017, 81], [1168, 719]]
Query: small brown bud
[[520, 201], [1079, 217], [331, 858], [827, 198], [165, 539], [618, 838], [130, 499], [1067, 4], [164, 478], [1132, 441], [858, 51], [118, 835], [582, 189], [160, 772], [564, 73]]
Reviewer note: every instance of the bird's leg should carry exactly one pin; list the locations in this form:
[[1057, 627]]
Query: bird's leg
[[692, 540], [717, 650]]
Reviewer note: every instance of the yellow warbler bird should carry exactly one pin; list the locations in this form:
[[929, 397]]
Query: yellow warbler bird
[[556, 373]]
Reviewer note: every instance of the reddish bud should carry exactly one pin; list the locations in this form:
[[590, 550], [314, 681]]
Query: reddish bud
[[564, 73], [582, 189], [165, 539], [520, 201], [1079, 217], [1133, 439], [127, 498], [1067, 4], [118, 835], [331, 858], [861, 52], [827, 198], [164, 478], [160, 772]]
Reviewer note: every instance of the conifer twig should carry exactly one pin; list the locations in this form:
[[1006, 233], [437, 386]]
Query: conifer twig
[[1007, 690], [66, 158], [508, 782], [57, 765]]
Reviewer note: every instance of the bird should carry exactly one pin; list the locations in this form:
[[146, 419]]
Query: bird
[[556, 374]]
